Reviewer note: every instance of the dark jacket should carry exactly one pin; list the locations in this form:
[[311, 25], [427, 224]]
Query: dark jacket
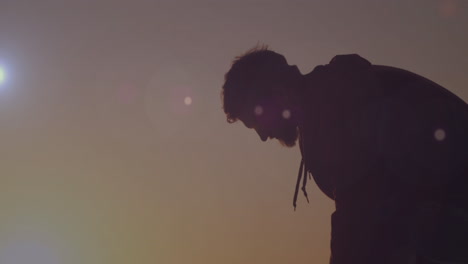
[[382, 142]]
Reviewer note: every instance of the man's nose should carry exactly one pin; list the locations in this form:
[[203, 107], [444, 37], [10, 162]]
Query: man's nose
[[262, 134]]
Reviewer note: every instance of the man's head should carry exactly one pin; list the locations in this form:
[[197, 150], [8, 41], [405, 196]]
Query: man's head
[[261, 90]]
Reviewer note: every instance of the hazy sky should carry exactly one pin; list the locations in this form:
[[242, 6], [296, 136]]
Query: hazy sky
[[113, 144]]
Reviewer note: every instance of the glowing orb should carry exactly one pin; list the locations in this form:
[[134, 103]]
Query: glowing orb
[[258, 110], [286, 114], [448, 8], [439, 134], [2, 75], [188, 100]]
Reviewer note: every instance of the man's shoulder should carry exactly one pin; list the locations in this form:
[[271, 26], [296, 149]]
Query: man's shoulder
[[340, 63], [341, 67], [349, 61]]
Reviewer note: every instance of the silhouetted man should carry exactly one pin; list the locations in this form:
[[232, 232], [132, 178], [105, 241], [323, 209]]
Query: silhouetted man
[[388, 146]]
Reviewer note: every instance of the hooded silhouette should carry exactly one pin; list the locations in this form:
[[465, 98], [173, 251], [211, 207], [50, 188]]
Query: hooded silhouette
[[390, 147]]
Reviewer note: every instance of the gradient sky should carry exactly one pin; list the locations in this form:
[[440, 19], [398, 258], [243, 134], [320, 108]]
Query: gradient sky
[[102, 160]]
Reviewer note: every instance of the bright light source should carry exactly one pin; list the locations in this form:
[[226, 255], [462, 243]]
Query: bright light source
[[286, 114], [188, 100], [2, 75]]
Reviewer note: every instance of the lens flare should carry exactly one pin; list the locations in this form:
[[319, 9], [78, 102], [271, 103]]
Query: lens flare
[[188, 100], [30, 248], [258, 110], [439, 134], [448, 8]]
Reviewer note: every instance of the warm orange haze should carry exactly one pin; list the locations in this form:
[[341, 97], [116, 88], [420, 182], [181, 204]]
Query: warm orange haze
[[114, 146]]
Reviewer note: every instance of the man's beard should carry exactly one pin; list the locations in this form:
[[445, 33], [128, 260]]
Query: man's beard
[[288, 137]]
